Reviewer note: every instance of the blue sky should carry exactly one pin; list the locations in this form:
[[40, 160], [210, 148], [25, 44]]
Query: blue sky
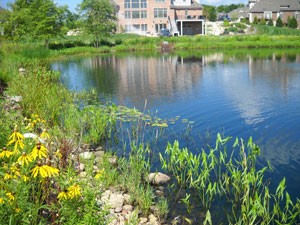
[[73, 3]]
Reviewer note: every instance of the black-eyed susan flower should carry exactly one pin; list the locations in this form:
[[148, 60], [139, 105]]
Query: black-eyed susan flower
[[10, 196], [45, 135], [24, 159], [51, 171], [39, 151], [74, 191], [25, 178], [17, 139], [39, 170], [99, 174], [5, 153], [2, 201], [63, 195], [57, 154], [7, 176]]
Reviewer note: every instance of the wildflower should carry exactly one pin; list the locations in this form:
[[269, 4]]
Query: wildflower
[[7, 176], [52, 171], [15, 170], [25, 178], [24, 159], [5, 153], [39, 151], [74, 191], [63, 195], [99, 174], [45, 135], [16, 138], [10, 196], [1, 201], [58, 154], [39, 170], [17, 210]]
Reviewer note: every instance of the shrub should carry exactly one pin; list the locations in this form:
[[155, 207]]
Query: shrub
[[292, 22], [279, 22], [270, 23]]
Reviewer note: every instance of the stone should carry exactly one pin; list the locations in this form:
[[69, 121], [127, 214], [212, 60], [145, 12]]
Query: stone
[[113, 160], [152, 220], [159, 193], [127, 198], [143, 220], [118, 209], [99, 154], [86, 155], [158, 178], [81, 167], [128, 207], [115, 200], [16, 99]]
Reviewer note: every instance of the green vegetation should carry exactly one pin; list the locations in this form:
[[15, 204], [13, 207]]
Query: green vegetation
[[215, 177]]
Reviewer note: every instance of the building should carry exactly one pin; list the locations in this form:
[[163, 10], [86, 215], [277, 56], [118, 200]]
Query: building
[[181, 17], [272, 9]]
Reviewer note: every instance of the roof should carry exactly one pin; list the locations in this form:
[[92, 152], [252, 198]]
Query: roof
[[239, 12], [276, 6], [195, 5]]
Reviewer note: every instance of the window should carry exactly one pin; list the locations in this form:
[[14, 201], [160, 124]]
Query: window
[[135, 4], [158, 27], [127, 28], [297, 15], [143, 4], [127, 15], [160, 1], [135, 14], [143, 14], [268, 15], [136, 27], [127, 4], [144, 27], [160, 13]]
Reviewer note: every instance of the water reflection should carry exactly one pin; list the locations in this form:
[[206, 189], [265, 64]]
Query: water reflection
[[239, 94]]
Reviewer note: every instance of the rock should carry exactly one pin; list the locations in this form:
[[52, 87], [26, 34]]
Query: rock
[[15, 99], [128, 207], [159, 193], [152, 220], [86, 155], [143, 220], [116, 200], [82, 174], [81, 167], [118, 209], [22, 70], [99, 149], [158, 178], [113, 160], [127, 198], [99, 154]]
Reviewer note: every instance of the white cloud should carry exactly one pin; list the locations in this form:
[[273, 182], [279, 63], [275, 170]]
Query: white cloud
[[223, 2]]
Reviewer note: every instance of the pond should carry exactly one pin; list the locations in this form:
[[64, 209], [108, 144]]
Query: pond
[[237, 94]]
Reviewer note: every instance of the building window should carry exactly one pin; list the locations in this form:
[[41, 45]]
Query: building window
[[144, 27], [135, 4], [135, 14], [127, 28], [297, 15], [135, 27], [158, 27], [143, 4], [127, 14], [160, 1], [268, 15], [127, 4], [160, 13], [144, 14]]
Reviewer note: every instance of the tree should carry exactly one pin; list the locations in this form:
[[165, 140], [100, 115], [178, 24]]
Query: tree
[[279, 22], [270, 23], [292, 22], [99, 18], [37, 19], [210, 12]]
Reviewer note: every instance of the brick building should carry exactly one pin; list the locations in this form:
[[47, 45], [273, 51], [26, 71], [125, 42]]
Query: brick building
[[181, 17]]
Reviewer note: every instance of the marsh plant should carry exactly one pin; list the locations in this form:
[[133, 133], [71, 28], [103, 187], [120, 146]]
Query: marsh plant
[[231, 180]]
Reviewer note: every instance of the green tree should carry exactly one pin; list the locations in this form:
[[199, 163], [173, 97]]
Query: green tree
[[98, 18], [292, 22], [270, 23], [37, 19], [210, 12], [279, 22]]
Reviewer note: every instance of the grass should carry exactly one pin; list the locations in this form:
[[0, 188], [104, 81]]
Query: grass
[[270, 30]]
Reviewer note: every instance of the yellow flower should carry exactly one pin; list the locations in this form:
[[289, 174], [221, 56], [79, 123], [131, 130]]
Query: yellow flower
[[17, 210], [25, 178], [16, 138], [7, 176], [24, 159], [99, 174], [58, 154], [1, 201], [63, 195], [5, 153], [51, 171], [45, 135], [39, 151], [74, 191], [10, 196], [39, 170]]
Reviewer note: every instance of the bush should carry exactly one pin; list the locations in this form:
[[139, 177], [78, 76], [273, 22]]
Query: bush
[[279, 22], [292, 22], [270, 23]]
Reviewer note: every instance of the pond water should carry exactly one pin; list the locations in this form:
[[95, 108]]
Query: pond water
[[237, 94]]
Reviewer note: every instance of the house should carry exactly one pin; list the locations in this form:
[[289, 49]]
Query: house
[[272, 9], [239, 14], [181, 17]]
